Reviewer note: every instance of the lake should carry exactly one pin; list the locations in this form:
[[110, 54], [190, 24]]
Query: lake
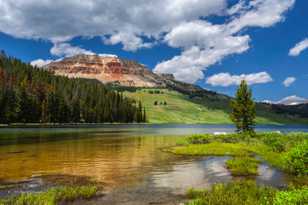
[[127, 159]]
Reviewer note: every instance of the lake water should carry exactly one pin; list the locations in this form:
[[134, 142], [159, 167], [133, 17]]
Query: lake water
[[127, 159]]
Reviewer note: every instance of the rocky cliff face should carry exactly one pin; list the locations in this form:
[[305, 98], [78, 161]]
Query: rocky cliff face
[[107, 69]]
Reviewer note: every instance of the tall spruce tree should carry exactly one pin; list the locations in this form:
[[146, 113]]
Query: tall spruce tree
[[243, 109]]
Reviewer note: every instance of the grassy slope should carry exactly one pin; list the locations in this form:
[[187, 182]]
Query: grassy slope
[[180, 109]]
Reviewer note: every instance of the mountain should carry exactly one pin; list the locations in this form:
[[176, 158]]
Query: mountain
[[108, 70], [184, 101], [293, 100], [115, 71], [32, 95]]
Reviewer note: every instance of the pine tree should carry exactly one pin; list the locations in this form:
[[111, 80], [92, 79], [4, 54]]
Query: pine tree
[[243, 110], [29, 94]]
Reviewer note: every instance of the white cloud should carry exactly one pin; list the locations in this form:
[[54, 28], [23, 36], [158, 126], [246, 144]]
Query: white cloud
[[130, 41], [67, 50], [299, 47], [226, 79], [289, 81], [205, 44], [260, 13], [64, 19], [179, 23], [40, 62]]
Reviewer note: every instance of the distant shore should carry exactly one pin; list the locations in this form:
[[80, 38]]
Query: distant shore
[[98, 125]]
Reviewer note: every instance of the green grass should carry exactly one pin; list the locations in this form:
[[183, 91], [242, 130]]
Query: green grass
[[211, 149], [181, 109], [287, 152], [243, 166], [247, 193], [53, 196]]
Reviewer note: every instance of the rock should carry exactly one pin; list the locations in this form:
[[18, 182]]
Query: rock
[[107, 69]]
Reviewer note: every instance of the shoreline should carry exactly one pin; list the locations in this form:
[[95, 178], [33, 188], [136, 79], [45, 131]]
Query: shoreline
[[98, 125]]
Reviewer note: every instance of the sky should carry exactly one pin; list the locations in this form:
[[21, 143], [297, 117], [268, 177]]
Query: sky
[[212, 43]]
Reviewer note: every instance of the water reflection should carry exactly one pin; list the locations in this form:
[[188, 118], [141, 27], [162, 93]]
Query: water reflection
[[125, 158], [271, 176], [195, 174]]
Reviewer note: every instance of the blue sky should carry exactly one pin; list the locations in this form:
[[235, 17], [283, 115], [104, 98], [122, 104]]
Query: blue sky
[[213, 44]]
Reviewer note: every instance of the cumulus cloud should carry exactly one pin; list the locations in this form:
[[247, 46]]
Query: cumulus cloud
[[289, 81], [40, 62], [259, 13], [204, 44], [67, 50], [130, 41], [226, 79], [298, 48], [179, 23], [211, 43], [65, 19]]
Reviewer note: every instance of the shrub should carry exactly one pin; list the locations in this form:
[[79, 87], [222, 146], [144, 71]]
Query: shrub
[[275, 141], [199, 139], [293, 197], [296, 160], [243, 166]]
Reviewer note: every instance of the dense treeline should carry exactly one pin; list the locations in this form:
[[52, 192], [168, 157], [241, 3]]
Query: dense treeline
[[32, 95]]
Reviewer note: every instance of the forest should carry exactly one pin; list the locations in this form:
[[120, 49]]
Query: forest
[[32, 95]]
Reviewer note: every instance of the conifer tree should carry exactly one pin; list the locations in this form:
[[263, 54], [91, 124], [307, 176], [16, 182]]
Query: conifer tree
[[243, 110], [30, 95]]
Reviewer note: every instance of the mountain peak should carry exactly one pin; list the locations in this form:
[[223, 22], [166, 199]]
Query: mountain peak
[[107, 69]]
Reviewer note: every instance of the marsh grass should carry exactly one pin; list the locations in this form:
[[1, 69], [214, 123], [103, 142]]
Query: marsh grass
[[211, 149], [247, 193], [243, 166], [235, 193], [288, 152], [53, 196]]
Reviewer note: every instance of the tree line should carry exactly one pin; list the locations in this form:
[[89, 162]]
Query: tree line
[[32, 95]]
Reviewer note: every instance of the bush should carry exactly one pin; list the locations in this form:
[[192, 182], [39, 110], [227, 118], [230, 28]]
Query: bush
[[275, 141], [293, 197], [199, 139], [296, 160], [243, 166]]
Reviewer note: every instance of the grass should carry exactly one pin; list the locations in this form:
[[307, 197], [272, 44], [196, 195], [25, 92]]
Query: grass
[[247, 193], [53, 196], [209, 110], [179, 108], [211, 149], [243, 166], [287, 152]]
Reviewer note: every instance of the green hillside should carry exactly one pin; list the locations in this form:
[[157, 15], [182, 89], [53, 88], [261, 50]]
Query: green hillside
[[179, 108]]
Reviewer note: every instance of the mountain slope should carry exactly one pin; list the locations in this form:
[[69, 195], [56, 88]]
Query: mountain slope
[[181, 108], [107, 69], [187, 103]]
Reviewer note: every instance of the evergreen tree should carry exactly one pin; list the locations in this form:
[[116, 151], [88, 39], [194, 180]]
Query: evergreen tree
[[29, 94], [243, 109]]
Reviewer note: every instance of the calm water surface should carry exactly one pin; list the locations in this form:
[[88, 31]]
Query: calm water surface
[[127, 159]]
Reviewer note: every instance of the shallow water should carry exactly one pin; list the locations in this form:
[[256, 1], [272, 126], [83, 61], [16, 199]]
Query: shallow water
[[128, 160]]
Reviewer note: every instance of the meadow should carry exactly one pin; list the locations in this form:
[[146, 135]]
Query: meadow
[[287, 152], [168, 106]]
